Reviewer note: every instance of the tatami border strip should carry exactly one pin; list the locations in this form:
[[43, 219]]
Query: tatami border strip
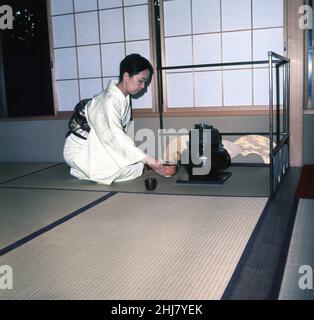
[[260, 269], [275, 290], [57, 189], [138, 192], [41, 231], [237, 272], [30, 173]]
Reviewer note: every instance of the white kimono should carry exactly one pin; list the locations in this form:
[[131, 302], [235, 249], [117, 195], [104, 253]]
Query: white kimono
[[108, 154]]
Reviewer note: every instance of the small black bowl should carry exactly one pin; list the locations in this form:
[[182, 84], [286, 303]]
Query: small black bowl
[[150, 184]]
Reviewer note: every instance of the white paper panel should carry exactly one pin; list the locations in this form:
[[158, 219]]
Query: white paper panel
[[207, 49], [141, 47], [237, 87], [278, 86], [177, 17], [61, 6], [180, 90], [267, 13], [85, 5], [63, 31], [133, 2], [90, 87], [281, 77], [112, 54], [105, 4], [111, 25], [136, 23], [87, 28], [208, 89], [89, 61], [68, 95], [178, 51], [145, 101], [236, 15], [261, 86], [65, 63], [267, 40], [237, 46], [206, 16]]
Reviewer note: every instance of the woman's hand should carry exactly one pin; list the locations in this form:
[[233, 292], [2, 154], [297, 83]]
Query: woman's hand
[[155, 165]]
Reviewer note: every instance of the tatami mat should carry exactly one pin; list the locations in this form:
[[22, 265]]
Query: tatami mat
[[9, 171], [136, 246], [298, 282], [245, 181], [25, 211]]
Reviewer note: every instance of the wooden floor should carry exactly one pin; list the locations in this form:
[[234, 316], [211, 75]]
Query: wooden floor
[[259, 274]]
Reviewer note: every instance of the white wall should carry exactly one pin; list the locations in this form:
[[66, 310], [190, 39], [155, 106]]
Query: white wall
[[32, 141]]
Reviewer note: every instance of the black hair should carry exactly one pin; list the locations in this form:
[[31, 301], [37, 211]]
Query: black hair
[[134, 64]]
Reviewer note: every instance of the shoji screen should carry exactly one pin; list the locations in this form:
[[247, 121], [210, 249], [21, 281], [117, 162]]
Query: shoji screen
[[90, 38], [217, 31]]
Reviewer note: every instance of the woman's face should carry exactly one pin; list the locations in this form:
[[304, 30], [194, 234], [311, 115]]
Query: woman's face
[[136, 83]]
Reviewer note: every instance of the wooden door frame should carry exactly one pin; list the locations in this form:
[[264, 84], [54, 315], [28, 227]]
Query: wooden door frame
[[295, 51]]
